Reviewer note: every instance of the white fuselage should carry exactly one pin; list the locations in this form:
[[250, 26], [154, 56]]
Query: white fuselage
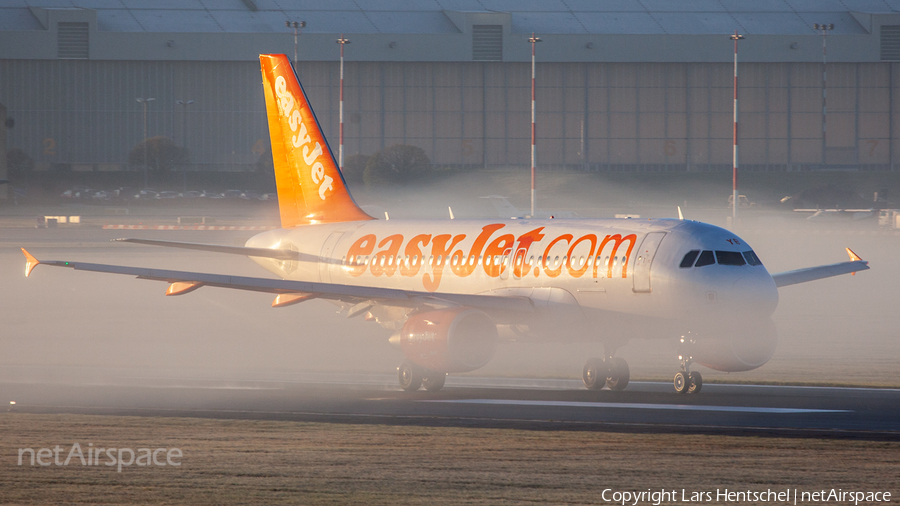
[[581, 272]]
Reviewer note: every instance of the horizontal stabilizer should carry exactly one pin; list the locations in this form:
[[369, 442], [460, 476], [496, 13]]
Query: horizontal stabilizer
[[278, 254]]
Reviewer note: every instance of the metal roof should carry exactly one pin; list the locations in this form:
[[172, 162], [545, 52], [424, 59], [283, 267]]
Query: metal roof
[[673, 17]]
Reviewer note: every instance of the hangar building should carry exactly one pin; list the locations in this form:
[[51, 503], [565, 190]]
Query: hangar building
[[621, 84]]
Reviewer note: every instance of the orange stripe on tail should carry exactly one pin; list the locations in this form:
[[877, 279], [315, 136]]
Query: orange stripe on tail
[[310, 186]]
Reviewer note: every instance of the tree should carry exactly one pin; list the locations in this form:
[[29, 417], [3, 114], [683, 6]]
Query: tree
[[18, 164], [355, 168], [264, 163], [399, 163], [161, 155]]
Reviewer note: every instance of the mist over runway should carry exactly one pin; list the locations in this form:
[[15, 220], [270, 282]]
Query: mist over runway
[[646, 407], [112, 344]]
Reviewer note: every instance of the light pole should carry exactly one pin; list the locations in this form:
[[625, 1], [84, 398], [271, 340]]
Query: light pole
[[184, 105], [296, 25], [534, 40], [342, 41], [144, 102], [825, 29], [734, 168]]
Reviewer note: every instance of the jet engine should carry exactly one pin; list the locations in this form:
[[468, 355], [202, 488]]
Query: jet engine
[[450, 340], [737, 347]]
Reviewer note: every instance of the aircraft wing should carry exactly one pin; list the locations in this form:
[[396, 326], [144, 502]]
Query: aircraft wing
[[288, 291], [823, 271], [278, 254]]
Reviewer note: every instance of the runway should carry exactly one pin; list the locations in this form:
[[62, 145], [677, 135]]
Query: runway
[[645, 407]]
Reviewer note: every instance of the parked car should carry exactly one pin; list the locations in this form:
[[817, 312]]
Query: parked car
[[124, 193], [147, 195]]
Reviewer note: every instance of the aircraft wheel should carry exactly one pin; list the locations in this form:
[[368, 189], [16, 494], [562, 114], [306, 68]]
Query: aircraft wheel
[[594, 374], [682, 382], [696, 382], [617, 374], [434, 381], [410, 376]]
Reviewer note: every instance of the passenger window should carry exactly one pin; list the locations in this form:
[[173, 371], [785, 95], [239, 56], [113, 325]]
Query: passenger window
[[706, 258], [751, 258], [689, 258], [730, 258]]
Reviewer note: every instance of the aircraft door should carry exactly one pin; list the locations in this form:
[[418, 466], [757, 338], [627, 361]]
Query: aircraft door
[[643, 261], [326, 261]]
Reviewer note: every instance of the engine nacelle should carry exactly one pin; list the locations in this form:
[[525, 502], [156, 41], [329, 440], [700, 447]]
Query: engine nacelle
[[737, 347], [451, 340]]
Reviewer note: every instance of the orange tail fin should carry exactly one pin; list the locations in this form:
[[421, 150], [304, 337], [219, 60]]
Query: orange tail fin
[[310, 186]]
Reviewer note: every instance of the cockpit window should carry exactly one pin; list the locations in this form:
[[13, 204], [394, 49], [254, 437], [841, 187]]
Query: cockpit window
[[706, 258], [689, 258], [730, 258], [751, 257]]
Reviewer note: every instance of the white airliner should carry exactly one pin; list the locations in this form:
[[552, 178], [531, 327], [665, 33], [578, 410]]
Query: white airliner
[[451, 290]]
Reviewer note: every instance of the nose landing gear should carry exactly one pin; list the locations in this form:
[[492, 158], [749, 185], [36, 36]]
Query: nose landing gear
[[687, 381], [611, 372]]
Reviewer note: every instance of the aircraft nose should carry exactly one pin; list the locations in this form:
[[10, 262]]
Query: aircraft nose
[[756, 293]]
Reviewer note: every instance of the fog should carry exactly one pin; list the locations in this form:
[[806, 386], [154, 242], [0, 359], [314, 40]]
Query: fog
[[63, 325]]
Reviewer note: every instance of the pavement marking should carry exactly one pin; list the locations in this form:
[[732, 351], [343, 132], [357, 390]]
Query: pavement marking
[[629, 405]]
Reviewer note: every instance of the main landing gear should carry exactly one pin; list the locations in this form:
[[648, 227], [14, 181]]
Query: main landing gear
[[611, 372], [412, 377], [687, 381]]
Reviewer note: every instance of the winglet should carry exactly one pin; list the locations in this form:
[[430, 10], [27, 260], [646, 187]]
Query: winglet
[[680, 214], [30, 262], [853, 256]]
